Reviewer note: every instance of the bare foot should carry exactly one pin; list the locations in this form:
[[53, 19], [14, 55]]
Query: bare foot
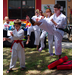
[[37, 49]]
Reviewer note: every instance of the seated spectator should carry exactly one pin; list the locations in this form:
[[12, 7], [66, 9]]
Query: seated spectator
[[7, 24], [27, 22]]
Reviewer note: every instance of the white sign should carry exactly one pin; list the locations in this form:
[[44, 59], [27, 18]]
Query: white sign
[[45, 6], [61, 8], [8, 32], [23, 2]]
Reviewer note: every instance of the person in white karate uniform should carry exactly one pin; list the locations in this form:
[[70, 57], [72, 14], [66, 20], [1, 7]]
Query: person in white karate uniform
[[17, 47], [42, 38], [55, 26], [43, 34], [34, 29], [50, 36]]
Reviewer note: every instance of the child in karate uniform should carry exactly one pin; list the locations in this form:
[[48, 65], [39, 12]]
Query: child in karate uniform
[[42, 37], [17, 47], [43, 34], [50, 36], [35, 28], [55, 26]]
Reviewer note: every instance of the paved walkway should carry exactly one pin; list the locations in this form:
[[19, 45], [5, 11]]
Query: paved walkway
[[65, 45]]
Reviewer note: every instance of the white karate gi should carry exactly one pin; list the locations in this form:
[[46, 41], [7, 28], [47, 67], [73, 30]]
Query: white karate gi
[[42, 37], [50, 40], [51, 29], [36, 30], [17, 50], [50, 43]]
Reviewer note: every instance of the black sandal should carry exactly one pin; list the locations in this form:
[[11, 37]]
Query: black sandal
[[23, 68], [9, 71]]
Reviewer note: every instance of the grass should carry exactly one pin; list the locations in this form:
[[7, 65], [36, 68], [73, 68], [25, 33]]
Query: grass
[[36, 62]]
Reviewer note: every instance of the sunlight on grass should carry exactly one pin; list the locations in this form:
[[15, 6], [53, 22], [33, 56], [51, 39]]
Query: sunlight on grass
[[36, 62], [33, 72]]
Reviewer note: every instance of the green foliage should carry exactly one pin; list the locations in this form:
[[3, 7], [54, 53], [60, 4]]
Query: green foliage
[[11, 23]]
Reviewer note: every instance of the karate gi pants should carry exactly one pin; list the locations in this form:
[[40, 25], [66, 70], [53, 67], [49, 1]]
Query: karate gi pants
[[57, 35], [17, 54], [42, 38], [50, 43], [58, 43], [37, 34]]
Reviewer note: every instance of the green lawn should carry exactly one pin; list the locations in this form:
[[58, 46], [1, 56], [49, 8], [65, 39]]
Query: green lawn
[[36, 62]]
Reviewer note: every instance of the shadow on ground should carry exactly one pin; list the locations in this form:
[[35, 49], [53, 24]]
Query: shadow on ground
[[36, 62]]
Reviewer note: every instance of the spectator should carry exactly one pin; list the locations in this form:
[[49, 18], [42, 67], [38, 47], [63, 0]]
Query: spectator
[[6, 24]]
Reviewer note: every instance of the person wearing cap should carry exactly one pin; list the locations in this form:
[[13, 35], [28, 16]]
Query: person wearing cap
[[35, 29]]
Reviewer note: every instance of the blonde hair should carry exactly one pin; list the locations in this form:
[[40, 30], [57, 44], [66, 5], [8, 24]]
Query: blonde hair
[[37, 11]]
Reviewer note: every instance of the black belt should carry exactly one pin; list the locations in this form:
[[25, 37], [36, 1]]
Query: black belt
[[60, 29], [65, 30]]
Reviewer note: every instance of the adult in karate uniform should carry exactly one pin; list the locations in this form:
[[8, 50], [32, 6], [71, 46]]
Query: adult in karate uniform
[[34, 29], [55, 26]]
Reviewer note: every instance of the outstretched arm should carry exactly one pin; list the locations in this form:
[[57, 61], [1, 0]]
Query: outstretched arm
[[4, 39]]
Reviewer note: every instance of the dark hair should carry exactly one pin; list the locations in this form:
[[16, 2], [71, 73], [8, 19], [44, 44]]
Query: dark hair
[[41, 11], [49, 10], [32, 21], [57, 6], [17, 21]]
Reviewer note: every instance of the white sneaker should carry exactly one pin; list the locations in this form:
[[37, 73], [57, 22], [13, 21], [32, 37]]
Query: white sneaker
[[40, 49]]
